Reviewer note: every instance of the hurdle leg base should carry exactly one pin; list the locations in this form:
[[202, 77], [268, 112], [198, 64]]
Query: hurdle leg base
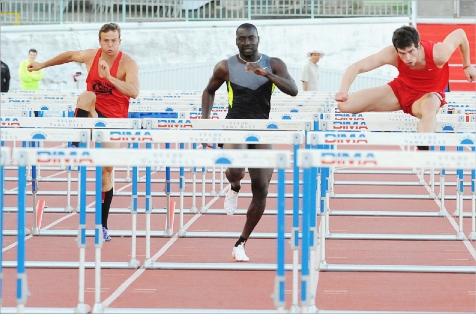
[[204, 209], [460, 236], [323, 265], [147, 263], [294, 309], [82, 308], [456, 213], [194, 210], [182, 232], [442, 211], [213, 193], [68, 209], [222, 193], [472, 236], [169, 232], [98, 308], [133, 263], [128, 179], [313, 309], [35, 231]]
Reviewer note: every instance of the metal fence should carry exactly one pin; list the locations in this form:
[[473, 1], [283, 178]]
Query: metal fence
[[25, 12], [28, 12]]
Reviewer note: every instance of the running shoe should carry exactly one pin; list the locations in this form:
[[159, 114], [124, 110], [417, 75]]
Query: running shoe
[[239, 254], [105, 234], [231, 202]]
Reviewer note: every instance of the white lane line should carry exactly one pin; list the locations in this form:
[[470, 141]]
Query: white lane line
[[455, 225], [117, 293]]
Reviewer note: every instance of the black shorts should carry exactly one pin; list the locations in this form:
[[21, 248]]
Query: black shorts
[[100, 115]]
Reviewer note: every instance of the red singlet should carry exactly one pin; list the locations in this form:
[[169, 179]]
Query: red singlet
[[109, 101], [411, 85]]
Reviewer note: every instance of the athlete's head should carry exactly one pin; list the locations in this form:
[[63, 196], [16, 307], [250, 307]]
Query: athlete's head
[[32, 54], [110, 38], [406, 41], [247, 40]]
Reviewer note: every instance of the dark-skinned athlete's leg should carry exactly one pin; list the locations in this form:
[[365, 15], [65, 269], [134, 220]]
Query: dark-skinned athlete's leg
[[260, 179]]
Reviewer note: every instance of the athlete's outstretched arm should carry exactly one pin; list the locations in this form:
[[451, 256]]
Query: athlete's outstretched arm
[[457, 39], [387, 55], [219, 76], [443, 51], [65, 57]]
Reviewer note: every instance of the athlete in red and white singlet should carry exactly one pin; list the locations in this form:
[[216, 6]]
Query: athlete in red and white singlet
[[113, 78], [110, 102]]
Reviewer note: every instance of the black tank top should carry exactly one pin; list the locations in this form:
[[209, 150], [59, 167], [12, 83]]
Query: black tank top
[[249, 94]]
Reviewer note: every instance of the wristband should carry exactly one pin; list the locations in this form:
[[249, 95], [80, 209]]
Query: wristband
[[465, 67]]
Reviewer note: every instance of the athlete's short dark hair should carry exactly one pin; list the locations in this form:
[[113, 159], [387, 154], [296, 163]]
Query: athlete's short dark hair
[[108, 27], [405, 36], [247, 26]]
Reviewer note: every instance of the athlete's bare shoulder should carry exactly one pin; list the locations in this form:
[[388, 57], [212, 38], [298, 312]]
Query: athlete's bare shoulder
[[87, 55], [221, 70], [127, 62], [127, 57]]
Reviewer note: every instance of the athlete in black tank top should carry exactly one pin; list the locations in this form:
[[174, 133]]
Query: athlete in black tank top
[[251, 78]]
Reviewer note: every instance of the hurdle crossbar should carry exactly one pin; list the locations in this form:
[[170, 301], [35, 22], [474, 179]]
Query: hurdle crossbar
[[308, 159], [107, 157]]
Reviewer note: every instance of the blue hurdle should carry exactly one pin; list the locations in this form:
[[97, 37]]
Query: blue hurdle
[[4, 159], [309, 159], [105, 157]]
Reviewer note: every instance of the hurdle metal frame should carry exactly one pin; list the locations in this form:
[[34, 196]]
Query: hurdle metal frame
[[318, 139], [383, 159], [105, 157]]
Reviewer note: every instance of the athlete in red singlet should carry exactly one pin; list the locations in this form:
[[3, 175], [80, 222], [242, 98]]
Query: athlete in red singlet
[[110, 102], [113, 78], [422, 80]]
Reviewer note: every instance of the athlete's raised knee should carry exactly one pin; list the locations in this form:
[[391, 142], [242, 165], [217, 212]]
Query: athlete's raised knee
[[86, 100], [346, 107]]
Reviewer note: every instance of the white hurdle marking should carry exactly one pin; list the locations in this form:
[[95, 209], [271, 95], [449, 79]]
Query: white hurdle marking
[[395, 116], [73, 123], [40, 106], [262, 158], [378, 138], [40, 135], [199, 136], [386, 159], [57, 135], [230, 124], [407, 126]]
